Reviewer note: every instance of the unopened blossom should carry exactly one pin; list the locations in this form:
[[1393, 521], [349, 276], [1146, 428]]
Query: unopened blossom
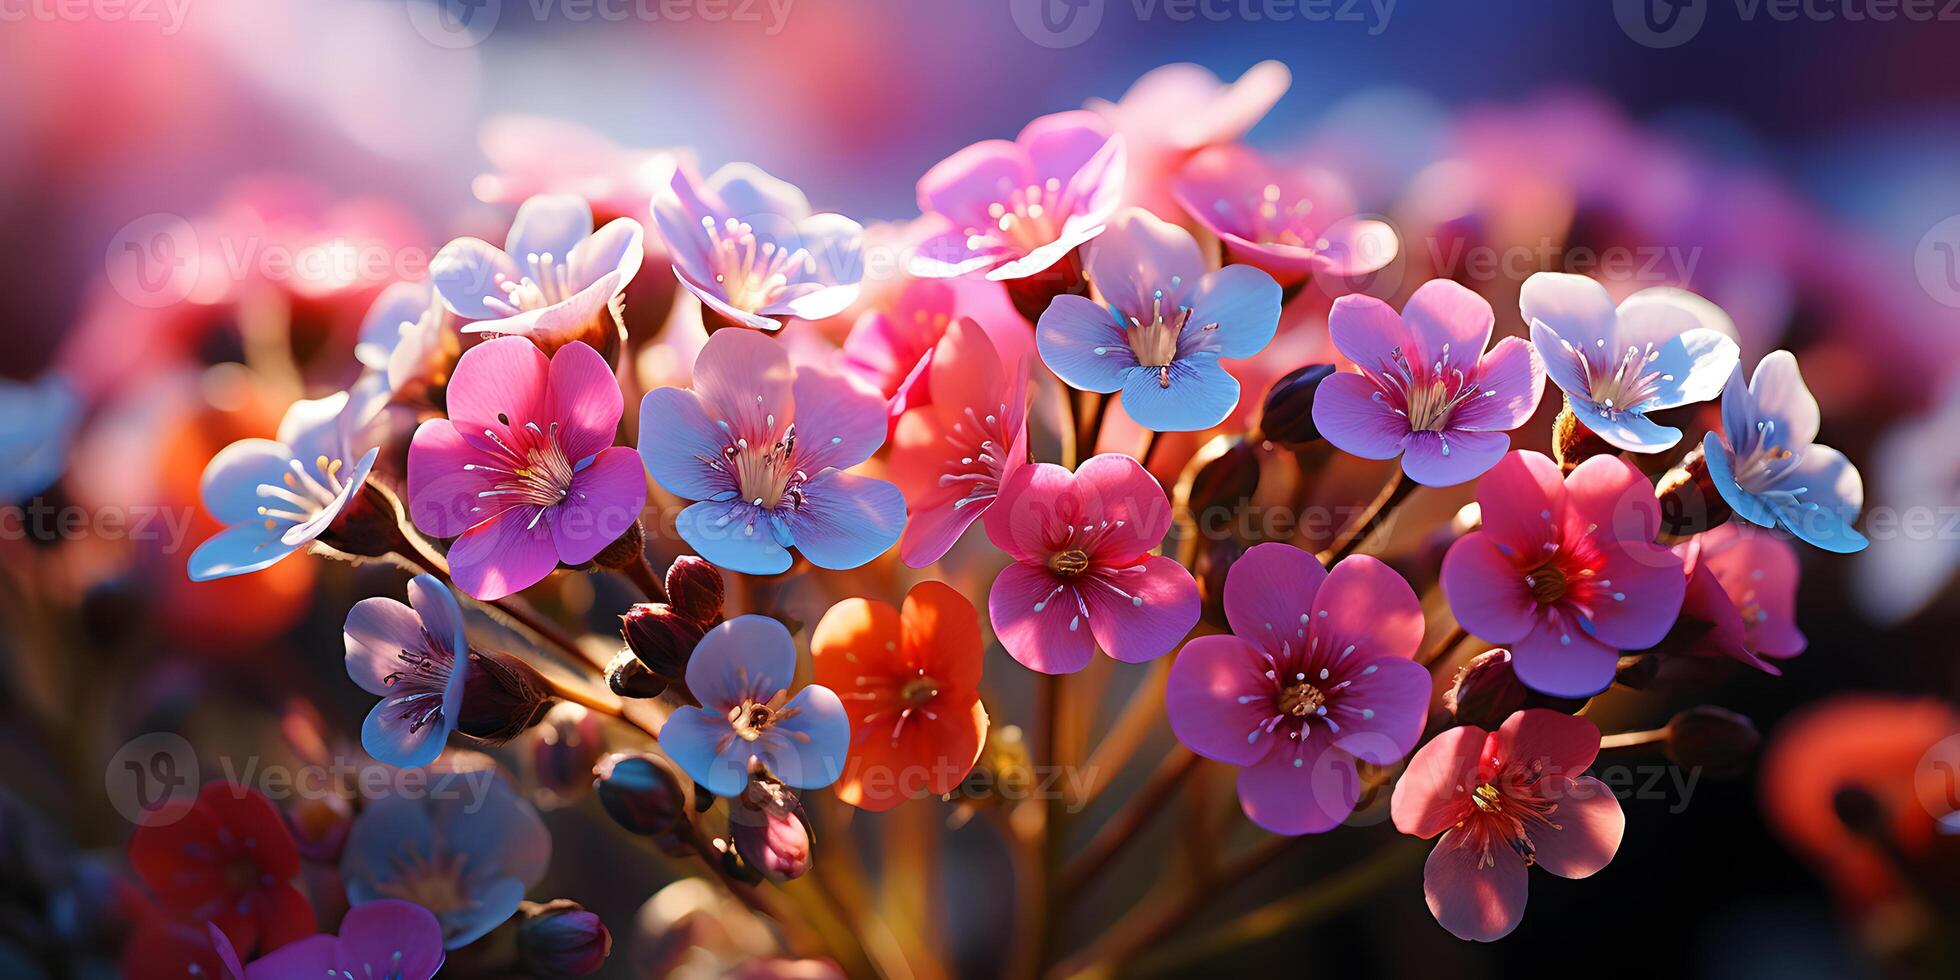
[[467, 853], [1426, 390], [910, 680], [747, 245], [1083, 576], [741, 673], [1161, 327], [279, 495], [1316, 675], [415, 658], [1290, 222], [1660, 348], [1503, 802], [523, 472], [551, 282], [227, 859], [385, 940], [1565, 572], [951, 456], [1014, 209], [763, 448], [1768, 467], [1175, 110]]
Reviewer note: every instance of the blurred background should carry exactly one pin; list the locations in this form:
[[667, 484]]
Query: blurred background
[[1799, 164]]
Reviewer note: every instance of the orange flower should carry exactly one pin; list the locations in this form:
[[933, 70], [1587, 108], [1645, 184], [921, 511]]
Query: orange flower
[[910, 682]]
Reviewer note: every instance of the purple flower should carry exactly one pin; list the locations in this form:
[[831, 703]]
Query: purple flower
[[763, 448], [550, 282], [1661, 348], [1768, 467], [523, 472], [1426, 390], [386, 940], [1316, 675], [415, 659], [1014, 209], [1292, 223], [1163, 325], [746, 245], [741, 674]]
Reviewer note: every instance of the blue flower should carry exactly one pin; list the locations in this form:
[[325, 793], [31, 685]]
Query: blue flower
[[1661, 348], [1768, 469], [278, 495], [415, 659], [37, 422], [741, 674], [1164, 325]]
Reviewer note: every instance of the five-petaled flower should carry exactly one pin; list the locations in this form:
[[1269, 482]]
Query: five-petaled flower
[[385, 940], [415, 658], [1660, 348], [1565, 572], [1083, 575], [1426, 390], [553, 280], [229, 860], [1316, 675], [747, 246], [910, 681], [1162, 326], [741, 673], [523, 472], [1504, 801], [1290, 222], [1768, 467], [762, 448], [891, 350]]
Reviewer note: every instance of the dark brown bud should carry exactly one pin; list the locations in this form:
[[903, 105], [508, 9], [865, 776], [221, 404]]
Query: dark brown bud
[[560, 939], [1223, 484], [1715, 740], [694, 589], [770, 831], [640, 792], [1690, 504], [662, 638], [625, 550], [502, 696], [1487, 691], [629, 678], [1573, 443], [1287, 418]]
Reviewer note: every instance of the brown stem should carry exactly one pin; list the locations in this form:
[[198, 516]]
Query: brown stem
[[1131, 728], [1440, 653], [604, 706], [417, 553], [1356, 533], [640, 572], [1119, 832], [1054, 692]]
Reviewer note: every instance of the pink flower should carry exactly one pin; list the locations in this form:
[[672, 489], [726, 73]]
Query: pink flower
[[1291, 223], [1747, 576], [1426, 390], [523, 472], [1565, 573], [951, 455], [1083, 575], [1013, 209], [1316, 674], [1504, 801], [1176, 110], [892, 349]]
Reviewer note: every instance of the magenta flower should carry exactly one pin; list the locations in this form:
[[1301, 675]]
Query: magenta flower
[[1291, 223], [1504, 801], [951, 455], [1013, 209], [386, 940], [1744, 580], [748, 247], [1315, 675], [763, 449], [1083, 575], [552, 280], [523, 472], [1565, 572], [1426, 390], [892, 351]]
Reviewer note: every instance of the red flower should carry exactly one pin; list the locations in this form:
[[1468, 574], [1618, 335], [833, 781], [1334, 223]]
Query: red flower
[[229, 860]]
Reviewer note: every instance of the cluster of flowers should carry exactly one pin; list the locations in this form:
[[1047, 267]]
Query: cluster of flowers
[[1158, 271]]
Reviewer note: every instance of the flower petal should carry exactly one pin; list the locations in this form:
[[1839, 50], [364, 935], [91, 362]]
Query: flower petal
[[1367, 331], [1296, 790], [749, 656], [585, 400], [1443, 315], [391, 733], [548, 224], [504, 378], [846, 520], [508, 553], [1512, 380], [606, 497], [230, 486], [1350, 412], [1037, 619], [1559, 658], [1522, 501], [733, 534], [466, 274], [1213, 698], [1445, 459], [1428, 797], [1563, 744], [1143, 264], [237, 551], [676, 439], [1158, 604], [378, 629], [838, 422], [1473, 902], [1366, 604], [1590, 825], [444, 483], [1269, 594], [1577, 308], [807, 747], [1244, 304], [1082, 344], [1197, 393], [1486, 591]]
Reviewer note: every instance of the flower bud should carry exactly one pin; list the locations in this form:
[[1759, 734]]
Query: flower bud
[[694, 589], [1690, 504], [770, 832], [1288, 414], [629, 678], [640, 792], [662, 638], [566, 745], [1487, 691], [1573, 443], [1225, 482], [1712, 739], [560, 938], [502, 696], [625, 550]]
